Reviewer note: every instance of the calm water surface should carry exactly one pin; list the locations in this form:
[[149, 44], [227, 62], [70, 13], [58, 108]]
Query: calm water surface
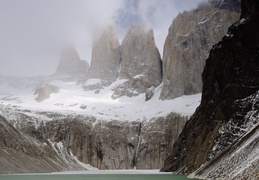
[[94, 177]]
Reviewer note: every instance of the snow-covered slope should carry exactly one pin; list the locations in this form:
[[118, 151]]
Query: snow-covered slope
[[239, 161], [72, 99]]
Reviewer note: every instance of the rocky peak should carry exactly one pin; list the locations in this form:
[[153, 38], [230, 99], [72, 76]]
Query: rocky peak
[[70, 64], [190, 38], [105, 61], [139, 49], [140, 61]]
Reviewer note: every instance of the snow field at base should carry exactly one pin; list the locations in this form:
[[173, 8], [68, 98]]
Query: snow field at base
[[72, 99]]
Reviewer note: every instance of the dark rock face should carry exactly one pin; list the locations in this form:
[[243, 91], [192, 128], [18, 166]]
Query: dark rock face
[[140, 62], [114, 144], [106, 56], [229, 105], [249, 8], [70, 65], [190, 38]]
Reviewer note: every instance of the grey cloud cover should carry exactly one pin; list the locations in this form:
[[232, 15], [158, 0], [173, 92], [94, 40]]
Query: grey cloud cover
[[32, 32]]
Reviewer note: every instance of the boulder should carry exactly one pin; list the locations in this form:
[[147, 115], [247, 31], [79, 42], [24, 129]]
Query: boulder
[[45, 91]]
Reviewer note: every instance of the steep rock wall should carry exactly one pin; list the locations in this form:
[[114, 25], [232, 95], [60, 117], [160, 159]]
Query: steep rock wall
[[229, 106], [106, 56], [190, 38], [140, 62], [113, 144]]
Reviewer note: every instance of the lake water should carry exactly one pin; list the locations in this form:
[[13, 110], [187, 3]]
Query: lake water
[[97, 175], [94, 177]]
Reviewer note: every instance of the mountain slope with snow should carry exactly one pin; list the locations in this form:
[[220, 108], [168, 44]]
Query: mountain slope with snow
[[71, 98], [239, 161]]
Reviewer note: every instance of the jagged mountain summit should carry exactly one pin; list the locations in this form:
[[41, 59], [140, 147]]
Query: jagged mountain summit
[[229, 107], [106, 56], [190, 38], [140, 62], [136, 62], [70, 65]]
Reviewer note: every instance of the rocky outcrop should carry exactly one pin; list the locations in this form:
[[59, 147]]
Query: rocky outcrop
[[230, 99], [190, 38], [20, 153], [71, 66], [45, 91], [106, 57], [140, 62]]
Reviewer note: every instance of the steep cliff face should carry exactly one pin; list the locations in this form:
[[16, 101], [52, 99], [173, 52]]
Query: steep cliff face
[[106, 57], [140, 62], [230, 104], [21, 153], [190, 38], [71, 66], [143, 144]]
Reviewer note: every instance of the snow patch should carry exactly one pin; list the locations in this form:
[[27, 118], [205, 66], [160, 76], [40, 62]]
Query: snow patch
[[86, 166], [203, 22]]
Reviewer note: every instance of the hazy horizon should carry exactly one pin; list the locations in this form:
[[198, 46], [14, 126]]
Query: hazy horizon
[[34, 31]]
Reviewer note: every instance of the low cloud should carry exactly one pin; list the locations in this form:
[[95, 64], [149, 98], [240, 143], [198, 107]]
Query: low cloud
[[33, 32]]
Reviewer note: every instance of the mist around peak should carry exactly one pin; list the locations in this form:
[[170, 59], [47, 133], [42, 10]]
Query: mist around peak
[[33, 32]]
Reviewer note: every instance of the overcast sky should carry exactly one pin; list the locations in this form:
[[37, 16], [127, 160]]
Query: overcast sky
[[32, 31]]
